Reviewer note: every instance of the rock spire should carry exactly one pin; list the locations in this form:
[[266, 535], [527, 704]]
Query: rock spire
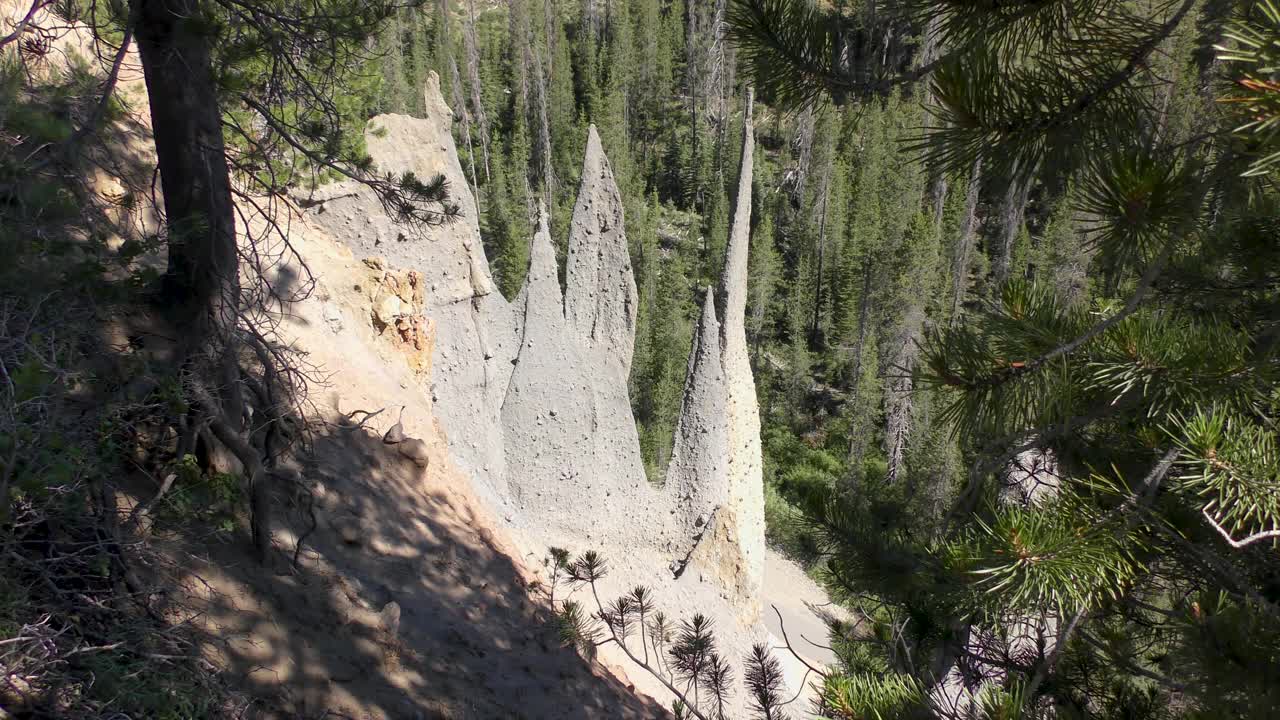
[[745, 471], [696, 475], [600, 297]]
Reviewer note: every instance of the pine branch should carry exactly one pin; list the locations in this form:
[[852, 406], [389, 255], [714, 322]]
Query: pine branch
[[1137, 61], [796, 52], [1130, 307], [21, 26]]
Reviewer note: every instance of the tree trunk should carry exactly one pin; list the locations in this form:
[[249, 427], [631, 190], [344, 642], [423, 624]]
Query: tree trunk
[[938, 179], [806, 127], [964, 243], [815, 327], [898, 395], [694, 78], [460, 113], [1011, 214], [201, 285], [473, 76], [857, 444], [543, 126]]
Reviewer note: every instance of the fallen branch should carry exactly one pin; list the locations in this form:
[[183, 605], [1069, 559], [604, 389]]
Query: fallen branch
[[142, 509], [783, 627], [367, 417]]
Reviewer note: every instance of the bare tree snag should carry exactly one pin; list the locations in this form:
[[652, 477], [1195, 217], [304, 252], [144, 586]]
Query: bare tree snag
[[964, 243]]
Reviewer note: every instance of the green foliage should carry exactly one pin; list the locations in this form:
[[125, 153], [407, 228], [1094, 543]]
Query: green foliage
[[1229, 464], [785, 528], [852, 697], [578, 629], [1251, 42], [1062, 559], [202, 496], [1137, 200], [791, 47], [998, 363], [1231, 647], [1136, 336]]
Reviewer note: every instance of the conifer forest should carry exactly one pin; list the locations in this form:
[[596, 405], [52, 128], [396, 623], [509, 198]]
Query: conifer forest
[[1012, 314]]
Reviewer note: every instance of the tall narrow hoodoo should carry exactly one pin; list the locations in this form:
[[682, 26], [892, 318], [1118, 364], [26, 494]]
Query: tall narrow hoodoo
[[746, 489], [696, 476], [715, 472], [600, 293]]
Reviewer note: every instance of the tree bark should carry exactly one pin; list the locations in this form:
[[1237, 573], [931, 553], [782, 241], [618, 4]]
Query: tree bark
[[938, 179], [806, 127], [897, 423], [460, 113], [543, 127], [857, 442], [201, 284], [815, 326]]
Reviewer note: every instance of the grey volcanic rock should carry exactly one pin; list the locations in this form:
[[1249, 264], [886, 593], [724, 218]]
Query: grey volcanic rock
[[570, 436], [697, 473], [600, 299], [451, 257], [471, 361], [533, 394], [548, 376], [746, 483]]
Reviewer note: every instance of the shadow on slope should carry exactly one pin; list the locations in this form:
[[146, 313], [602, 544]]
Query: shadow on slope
[[321, 641]]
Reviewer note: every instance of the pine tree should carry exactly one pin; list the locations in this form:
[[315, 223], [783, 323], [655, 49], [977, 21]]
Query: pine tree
[[1146, 402], [670, 331]]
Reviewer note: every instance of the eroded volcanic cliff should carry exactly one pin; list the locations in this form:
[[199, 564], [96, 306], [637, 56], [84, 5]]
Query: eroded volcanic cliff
[[533, 392]]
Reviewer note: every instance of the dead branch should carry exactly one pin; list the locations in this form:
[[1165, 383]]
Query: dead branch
[[259, 494], [1237, 544]]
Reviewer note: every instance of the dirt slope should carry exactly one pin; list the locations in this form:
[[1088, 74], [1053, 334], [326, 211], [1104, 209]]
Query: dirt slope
[[472, 639], [322, 642]]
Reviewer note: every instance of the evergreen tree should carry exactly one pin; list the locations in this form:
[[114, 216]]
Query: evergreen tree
[[1119, 514]]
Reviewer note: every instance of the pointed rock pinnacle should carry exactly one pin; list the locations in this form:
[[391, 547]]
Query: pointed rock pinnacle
[[600, 292], [540, 299], [699, 452]]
